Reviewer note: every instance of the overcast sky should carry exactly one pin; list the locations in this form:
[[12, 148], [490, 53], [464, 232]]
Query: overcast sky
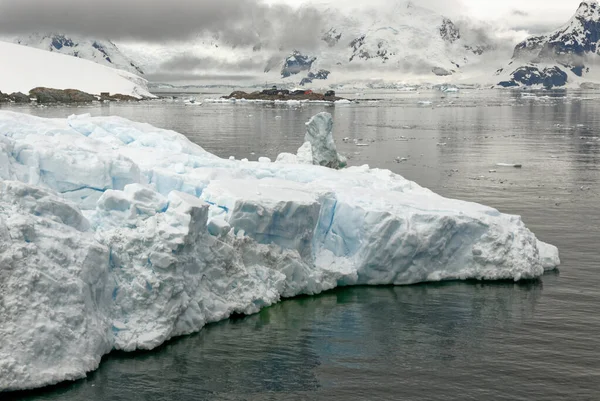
[[242, 21], [536, 15]]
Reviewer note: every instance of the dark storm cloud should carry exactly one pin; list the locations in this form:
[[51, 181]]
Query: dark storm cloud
[[237, 22]]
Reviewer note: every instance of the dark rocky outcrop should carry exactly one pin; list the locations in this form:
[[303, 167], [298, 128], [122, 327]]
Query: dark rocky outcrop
[[358, 51], [16, 97], [49, 95], [528, 76], [448, 31], [19, 97], [281, 96], [296, 63], [331, 37], [321, 74], [441, 72]]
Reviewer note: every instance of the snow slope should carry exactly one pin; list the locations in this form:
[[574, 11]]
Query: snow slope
[[24, 68], [99, 51], [118, 235], [567, 57]]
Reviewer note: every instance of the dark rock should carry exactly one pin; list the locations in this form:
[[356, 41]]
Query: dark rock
[[117, 97], [577, 71], [48, 95], [449, 32], [321, 74], [296, 63], [331, 37], [358, 51], [440, 72], [60, 41], [308, 95], [19, 97], [528, 76]]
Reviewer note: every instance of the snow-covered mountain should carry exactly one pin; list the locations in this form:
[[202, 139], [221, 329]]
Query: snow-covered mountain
[[569, 56], [99, 51], [401, 42], [24, 68]]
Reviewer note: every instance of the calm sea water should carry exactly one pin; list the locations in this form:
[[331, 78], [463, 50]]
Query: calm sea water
[[453, 341]]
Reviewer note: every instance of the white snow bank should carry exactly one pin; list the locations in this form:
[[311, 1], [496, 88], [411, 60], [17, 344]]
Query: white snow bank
[[119, 235], [24, 68]]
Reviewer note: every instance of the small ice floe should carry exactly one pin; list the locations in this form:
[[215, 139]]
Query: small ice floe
[[424, 102], [231, 157], [509, 165], [401, 159], [192, 102], [264, 160], [362, 144], [441, 144]]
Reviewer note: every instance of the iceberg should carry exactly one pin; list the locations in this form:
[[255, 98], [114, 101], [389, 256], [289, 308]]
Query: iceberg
[[116, 235], [319, 147]]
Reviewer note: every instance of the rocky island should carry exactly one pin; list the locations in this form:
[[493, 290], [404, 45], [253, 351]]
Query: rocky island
[[284, 95]]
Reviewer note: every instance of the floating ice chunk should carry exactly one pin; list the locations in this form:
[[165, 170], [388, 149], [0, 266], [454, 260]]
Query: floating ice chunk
[[548, 255], [264, 160], [509, 165], [319, 135], [287, 158]]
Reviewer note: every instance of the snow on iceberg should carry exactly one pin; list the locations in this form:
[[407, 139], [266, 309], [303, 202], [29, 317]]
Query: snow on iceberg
[[117, 235]]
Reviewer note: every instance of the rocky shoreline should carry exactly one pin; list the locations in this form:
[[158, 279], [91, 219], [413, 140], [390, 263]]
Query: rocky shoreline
[[238, 95], [43, 95]]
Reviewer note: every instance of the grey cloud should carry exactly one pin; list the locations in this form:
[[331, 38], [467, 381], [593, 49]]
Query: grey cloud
[[484, 35], [536, 28], [192, 77], [236, 22], [520, 13], [187, 63]]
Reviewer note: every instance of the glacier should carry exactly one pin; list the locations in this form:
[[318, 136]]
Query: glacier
[[116, 235]]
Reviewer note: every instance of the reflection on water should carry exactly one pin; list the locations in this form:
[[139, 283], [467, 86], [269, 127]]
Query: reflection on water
[[455, 341], [308, 347]]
